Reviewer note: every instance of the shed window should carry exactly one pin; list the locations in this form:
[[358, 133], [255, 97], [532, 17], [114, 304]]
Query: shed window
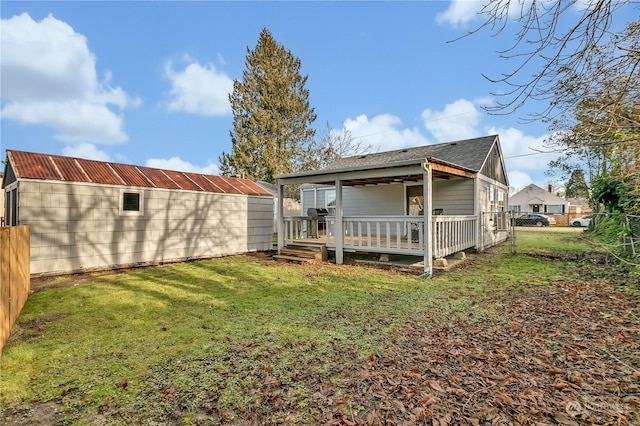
[[131, 203]]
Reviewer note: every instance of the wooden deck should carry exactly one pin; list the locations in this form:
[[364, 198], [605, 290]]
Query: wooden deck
[[404, 235], [362, 243]]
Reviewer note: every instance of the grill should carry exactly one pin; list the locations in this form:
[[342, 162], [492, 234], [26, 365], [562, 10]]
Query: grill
[[313, 213], [315, 221]]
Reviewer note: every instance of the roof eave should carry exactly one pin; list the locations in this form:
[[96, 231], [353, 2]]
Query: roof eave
[[322, 172], [398, 164]]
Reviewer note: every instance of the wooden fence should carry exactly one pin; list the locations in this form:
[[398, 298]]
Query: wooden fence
[[14, 276]]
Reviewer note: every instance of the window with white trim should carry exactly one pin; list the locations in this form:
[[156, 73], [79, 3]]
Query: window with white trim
[[131, 202], [501, 199], [330, 201]]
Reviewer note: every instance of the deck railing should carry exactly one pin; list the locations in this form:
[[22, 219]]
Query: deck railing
[[293, 228], [385, 234], [393, 234], [453, 234]]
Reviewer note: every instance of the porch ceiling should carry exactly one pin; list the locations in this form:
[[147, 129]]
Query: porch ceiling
[[377, 180]]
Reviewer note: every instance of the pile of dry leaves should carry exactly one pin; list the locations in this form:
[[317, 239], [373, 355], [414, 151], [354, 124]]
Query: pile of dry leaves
[[566, 354]]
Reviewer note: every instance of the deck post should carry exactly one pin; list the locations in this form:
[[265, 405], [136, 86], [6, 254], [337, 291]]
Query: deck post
[[339, 231], [280, 216], [428, 224]]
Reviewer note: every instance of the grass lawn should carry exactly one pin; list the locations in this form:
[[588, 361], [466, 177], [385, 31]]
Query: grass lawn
[[245, 340]]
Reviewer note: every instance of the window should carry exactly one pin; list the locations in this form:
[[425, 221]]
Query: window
[[555, 209], [131, 203], [501, 197], [330, 201]]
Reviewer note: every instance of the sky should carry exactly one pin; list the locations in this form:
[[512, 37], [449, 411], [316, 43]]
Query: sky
[[147, 83]]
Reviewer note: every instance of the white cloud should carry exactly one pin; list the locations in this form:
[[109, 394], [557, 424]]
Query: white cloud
[[73, 121], [458, 120], [85, 150], [49, 78], [518, 180], [175, 163], [582, 5], [523, 152], [460, 12], [199, 89], [383, 132]]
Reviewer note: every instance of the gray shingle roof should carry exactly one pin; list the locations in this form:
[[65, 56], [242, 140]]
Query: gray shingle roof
[[468, 154]]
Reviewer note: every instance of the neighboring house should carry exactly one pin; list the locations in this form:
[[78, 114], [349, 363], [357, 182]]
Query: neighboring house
[[579, 206], [291, 205], [534, 199], [428, 201], [91, 215]]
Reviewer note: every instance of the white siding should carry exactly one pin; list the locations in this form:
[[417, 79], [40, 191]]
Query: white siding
[[76, 227], [454, 196], [380, 200], [361, 201]]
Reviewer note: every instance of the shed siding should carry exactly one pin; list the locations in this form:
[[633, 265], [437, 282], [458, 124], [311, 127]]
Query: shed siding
[[454, 196], [78, 227]]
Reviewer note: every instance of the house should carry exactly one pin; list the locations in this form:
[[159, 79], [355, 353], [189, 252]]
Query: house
[[533, 199], [90, 215], [579, 206], [291, 204], [430, 201]]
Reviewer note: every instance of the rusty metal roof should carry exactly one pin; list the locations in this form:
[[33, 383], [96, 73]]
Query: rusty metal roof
[[30, 165]]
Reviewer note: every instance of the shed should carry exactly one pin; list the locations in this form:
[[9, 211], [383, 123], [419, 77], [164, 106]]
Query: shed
[[92, 215]]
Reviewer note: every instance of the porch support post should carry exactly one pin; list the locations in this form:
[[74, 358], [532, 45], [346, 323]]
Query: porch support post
[[427, 192], [280, 216], [339, 231], [478, 213]]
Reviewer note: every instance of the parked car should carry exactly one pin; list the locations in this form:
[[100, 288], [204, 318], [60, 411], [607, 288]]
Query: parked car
[[533, 219], [581, 221]]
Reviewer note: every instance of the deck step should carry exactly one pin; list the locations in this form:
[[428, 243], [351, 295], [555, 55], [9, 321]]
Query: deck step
[[292, 258], [307, 254], [307, 244]]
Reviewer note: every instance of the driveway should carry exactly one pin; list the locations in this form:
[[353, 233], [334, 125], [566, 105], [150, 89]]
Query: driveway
[[549, 228]]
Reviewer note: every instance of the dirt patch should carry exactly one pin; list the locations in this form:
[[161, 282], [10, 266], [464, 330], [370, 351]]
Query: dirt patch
[[34, 414], [73, 280], [35, 327]]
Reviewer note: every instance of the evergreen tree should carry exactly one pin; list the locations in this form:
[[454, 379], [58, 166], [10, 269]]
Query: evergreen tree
[[271, 115], [577, 185]]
